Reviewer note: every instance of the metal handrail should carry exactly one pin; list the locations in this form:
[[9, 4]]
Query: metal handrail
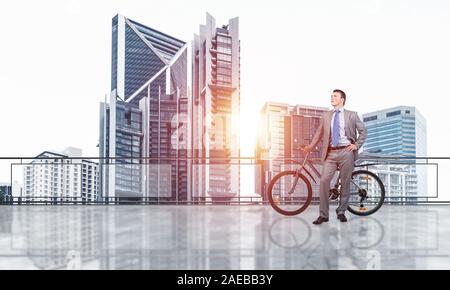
[[239, 199]]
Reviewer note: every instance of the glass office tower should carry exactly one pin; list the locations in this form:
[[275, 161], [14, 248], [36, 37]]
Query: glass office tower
[[399, 131], [143, 128]]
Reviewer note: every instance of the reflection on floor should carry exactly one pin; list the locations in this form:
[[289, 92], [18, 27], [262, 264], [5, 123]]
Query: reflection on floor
[[220, 237]]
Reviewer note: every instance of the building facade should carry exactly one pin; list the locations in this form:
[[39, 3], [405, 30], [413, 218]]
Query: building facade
[[144, 127], [282, 129], [5, 192], [57, 178], [215, 111], [399, 131]]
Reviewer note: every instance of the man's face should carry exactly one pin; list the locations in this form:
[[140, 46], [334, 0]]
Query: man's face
[[336, 99]]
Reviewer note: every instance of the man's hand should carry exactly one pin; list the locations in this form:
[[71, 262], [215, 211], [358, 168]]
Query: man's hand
[[351, 147], [307, 148]]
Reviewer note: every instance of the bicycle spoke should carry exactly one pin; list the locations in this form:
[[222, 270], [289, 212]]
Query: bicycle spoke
[[367, 193]]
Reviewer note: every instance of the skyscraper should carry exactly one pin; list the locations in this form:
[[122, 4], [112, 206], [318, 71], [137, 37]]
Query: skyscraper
[[144, 125], [282, 129], [215, 110], [399, 131]]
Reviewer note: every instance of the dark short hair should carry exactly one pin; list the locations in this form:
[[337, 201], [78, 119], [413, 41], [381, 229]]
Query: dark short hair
[[342, 94]]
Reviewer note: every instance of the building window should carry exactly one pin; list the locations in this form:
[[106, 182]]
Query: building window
[[223, 49], [224, 39], [391, 114], [372, 118], [224, 57]]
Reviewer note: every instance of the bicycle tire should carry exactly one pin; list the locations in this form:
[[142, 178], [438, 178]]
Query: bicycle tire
[[275, 206], [307, 232], [382, 194], [365, 221]]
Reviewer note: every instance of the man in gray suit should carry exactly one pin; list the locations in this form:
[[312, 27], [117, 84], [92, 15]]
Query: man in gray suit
[[339, 128]]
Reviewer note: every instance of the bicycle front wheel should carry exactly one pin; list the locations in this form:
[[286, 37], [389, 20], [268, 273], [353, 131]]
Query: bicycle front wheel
[[289, 192], [366, 193]]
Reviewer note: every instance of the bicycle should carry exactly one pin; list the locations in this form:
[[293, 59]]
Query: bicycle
[[290, 191]]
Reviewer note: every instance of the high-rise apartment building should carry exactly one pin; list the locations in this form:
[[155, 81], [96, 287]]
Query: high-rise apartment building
[[57, 178], [215, 110]]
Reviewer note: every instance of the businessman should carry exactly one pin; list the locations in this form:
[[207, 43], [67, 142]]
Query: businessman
[[343, 134]]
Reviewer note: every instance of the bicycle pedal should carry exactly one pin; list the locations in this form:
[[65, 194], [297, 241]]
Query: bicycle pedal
[[334, 194]]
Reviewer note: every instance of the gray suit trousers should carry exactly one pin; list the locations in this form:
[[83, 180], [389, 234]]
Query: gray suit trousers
[[345, 161]]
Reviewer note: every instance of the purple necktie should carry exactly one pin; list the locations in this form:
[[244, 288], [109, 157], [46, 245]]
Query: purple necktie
[[335, 138]]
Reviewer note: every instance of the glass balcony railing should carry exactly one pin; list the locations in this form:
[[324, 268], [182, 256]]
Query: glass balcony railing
[[244, 180]]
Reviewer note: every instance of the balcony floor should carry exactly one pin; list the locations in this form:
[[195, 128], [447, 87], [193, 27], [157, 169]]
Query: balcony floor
[[220, 237]]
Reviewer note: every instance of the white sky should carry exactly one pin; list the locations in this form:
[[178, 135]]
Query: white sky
[[55, 60]]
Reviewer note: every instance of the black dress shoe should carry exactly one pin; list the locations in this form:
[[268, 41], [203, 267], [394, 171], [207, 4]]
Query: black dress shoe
[[320, 220], [342, 218]]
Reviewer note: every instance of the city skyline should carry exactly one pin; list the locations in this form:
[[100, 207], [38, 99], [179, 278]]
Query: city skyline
[[409, 61], [186, 124], [250, 104]]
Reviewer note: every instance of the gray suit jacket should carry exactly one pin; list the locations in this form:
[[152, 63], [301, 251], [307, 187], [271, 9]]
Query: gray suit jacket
[[353, 125]]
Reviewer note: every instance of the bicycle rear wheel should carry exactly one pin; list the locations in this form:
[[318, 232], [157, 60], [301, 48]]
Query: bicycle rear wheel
[[289, 192], [366, 193]]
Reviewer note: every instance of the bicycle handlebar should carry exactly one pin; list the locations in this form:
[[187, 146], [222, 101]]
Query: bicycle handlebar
[[308, 152]]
